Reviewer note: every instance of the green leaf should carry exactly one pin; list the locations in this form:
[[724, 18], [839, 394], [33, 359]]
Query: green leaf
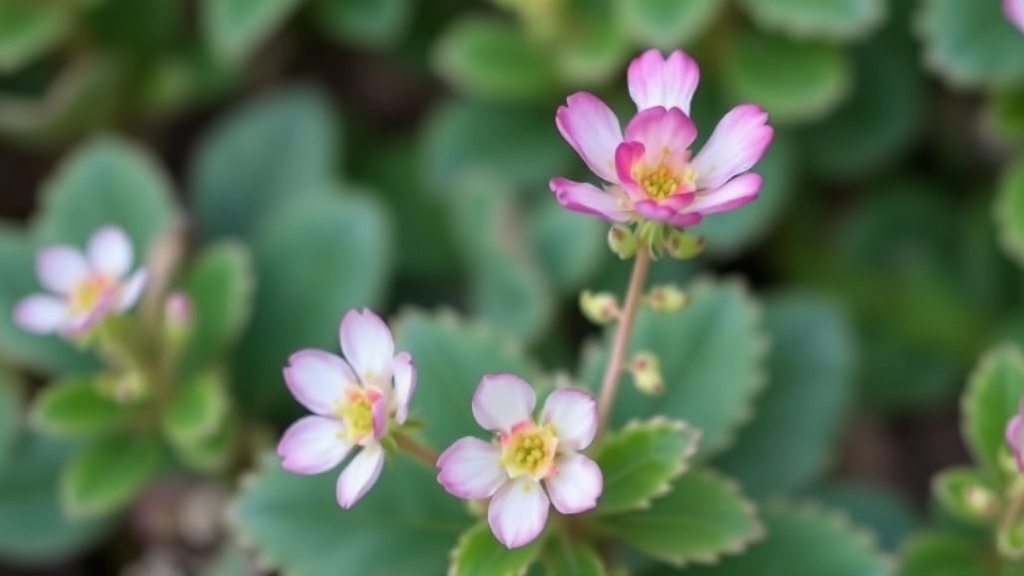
[[315, 260], [142, 28], [712, 356], [197, 410], [477, 553], [33, 528], [10, 416], [993, 394], [220, 285], [971, 43], [703, 518], [967, 494], [76, 406], [796, 428], [667, 24], [370, 23], [824, 19], [1004, 114], [938, 554], [295, 523], [487, 57], [274, 150], [235, 28], [108, 474], [641, 461], [569, 246], [795, 81], [883, 509], [563, 558], [804, 540], [28, 30], [593, 50], [453, 355], [1008, 211], [211, 453]]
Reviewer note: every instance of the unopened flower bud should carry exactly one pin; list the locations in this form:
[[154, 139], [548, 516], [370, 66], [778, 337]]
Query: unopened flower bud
[[682, 245], [178, 316], [622, 241], [600, 308], [125, 388], [980, 500], [646, 371], [667, 299]]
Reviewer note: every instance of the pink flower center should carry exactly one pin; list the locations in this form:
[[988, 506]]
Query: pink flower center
[[357, 412], [529, 450], [663, 181], [89, 293]]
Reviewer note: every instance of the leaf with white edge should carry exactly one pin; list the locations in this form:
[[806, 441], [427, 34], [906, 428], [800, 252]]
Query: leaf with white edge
[[993, 395], [108, 474], [823, 19], [667, 24], [197, 410], [884, 510], [967, 494], [10, 416], [478, 553], [971, 44], [938, 554], [369, 23], [703, 518], [795, 81], [804, 539], [295, 524], [713, 356], [272, 151], [569, 246], [563, 558], [1008, 211], [29, 29], [235, 28], [640, 462], [452, 355], [795, 430], [76, 406]]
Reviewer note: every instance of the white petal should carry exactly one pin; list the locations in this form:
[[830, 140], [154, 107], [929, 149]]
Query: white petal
[[573, 412], [518, 512], [502, 400], [312, 445], [40, 314], [471, 468], [576, 484], [61, 268], [132, 290], [404, 374], [360, 475], [318, 379], [367, 344], [110, 251]]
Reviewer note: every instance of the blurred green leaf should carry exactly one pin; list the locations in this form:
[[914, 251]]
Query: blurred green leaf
[[10, 418], [276, 149], [75, 407], [29, 29], [993, 395], [972, 43], [641, 461], [1008, 211], [295, 524], [593, 49], [315, 260], [371, 23], [212, 453], [795, 81], [236, 28], [885, 510], [667, 24], [569, 246], [703, 518], [139, 28], [938, 554], [230, 560], [953, 489], [795, 430], [1005, 114], [563, 558], [477, 553], [197, 410], [824, 19], [490, 58], [108, 474]]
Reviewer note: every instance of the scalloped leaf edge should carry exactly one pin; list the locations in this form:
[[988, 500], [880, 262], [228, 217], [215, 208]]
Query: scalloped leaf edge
[[839, 519], [994, 354], [801, 31]]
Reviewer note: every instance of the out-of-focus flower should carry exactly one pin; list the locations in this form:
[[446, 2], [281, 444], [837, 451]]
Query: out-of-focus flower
[[649, 170], [86, 286], [531, 464], [352, 403], [1014, 10], [1015, 437]]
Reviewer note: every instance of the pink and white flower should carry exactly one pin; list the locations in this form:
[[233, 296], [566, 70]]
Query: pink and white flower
[[1014, 10], [525, 456], [1015, 436], [353, 403], [649, 170], [86, 287]]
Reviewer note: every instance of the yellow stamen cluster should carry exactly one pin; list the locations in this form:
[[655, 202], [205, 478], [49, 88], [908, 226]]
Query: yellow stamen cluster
[[357, 414], [663, 181], [529, 451], [87, 294]]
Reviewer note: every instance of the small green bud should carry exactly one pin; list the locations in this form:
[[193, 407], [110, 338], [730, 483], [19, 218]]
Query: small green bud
[[667, 299], [1010, 540], [622, 241], [646, 371], [126, 388], [980, 500], [682, 245], [600, 308]]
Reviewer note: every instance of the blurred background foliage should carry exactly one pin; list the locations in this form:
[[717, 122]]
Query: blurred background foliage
[[396, 153]]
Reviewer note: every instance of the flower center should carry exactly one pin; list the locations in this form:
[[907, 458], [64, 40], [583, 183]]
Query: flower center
[[87, 295], [529, 450], [357, 412], [663, 182]]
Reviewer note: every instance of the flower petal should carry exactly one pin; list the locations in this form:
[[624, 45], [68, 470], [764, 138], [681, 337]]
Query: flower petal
[[360, 475], [40, 314], [379, 416], [110, 251], [666, 134], [738, 142], [1014, 10], [312, 445], [1015, 438], [518, 512], [78, 324], [627, 155], [404, 374], [132, 290], [367, 344], [470, 468], [573, 413], [501, 401], [593, 131], [587, 199], [61, 268], [318, 379], [734, 193], [656, 81], [576, 484]]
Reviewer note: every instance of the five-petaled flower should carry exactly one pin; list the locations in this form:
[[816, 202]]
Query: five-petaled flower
[[1014, 10], [649, 171], [1015, 436], [86, 287], [525, 454], [352, 406]]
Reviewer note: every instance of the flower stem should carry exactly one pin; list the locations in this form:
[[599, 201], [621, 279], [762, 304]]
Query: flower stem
[[418, 451], [613, 371]]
